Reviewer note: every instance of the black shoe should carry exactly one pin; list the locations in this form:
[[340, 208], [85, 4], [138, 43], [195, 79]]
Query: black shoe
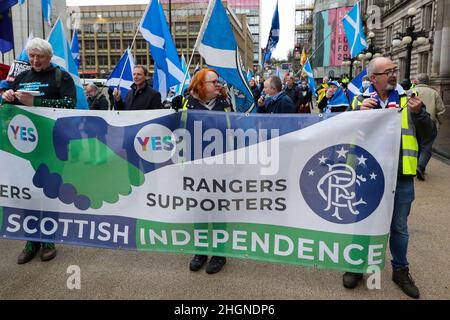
[[420, 174], [215, 264], [28, 253], [197, 262], [404, 280], [351, 279], [48, 251]]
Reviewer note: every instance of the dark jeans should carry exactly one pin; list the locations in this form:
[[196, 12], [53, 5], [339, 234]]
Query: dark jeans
[[398, 242], [425, 149]]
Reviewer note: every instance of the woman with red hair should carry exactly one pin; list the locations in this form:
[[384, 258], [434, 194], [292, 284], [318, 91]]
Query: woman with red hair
[[205, 92]]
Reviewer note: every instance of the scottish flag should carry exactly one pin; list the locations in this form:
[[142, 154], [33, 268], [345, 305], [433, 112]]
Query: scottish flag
[[184, 67], [62, 57], [217, 45], [21, 2], [354, 31], [122, 75], [274, 36], [339, 99], [154, 29], [23, 55], [47, 11], [75, 49], [355, 85], [308, 70], [249, 75]]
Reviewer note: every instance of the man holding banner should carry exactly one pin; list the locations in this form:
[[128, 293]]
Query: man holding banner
[[42, 86], [384, 93]]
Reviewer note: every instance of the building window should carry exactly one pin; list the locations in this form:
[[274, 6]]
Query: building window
[[194, 27], [388, 36], [88, 28], [128, 27], [141, 60], [90, 45], [102, 60], [117, 27], [115, 44], [180, 27], [114, 60], [102, 44], [423, 67], [90, 60], [428, 17], [141, 44]]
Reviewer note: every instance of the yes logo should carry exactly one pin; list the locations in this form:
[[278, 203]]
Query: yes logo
[[155, 143], [22, 134]]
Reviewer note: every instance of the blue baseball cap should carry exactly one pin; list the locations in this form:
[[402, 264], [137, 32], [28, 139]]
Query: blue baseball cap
[[5, 85]]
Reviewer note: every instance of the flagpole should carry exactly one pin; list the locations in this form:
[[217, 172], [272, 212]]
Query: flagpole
[[28, 18], [201, 32]]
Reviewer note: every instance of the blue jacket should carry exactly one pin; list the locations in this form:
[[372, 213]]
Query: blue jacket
[[279, 104]]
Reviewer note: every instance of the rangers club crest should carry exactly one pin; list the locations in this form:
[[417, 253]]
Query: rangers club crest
[[342, 184]]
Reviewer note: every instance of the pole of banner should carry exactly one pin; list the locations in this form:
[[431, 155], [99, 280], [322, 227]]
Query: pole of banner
[[126, 61], [28, 18], [3, 57]]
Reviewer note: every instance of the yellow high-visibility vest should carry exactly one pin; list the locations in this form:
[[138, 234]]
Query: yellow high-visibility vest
[[410, 147]]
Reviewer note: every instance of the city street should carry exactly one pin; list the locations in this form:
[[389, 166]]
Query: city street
[[114, 274]]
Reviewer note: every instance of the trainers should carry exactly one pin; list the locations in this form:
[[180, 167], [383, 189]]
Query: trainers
[[351, 279], [404, 280], [48, 251], [197, 262], [28, 253], [420, 174], [215, 264]]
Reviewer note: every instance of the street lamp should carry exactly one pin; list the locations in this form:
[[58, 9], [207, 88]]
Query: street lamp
[[349, 62], [410, 39]]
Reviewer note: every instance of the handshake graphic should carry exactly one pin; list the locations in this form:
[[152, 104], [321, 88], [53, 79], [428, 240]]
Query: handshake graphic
[[79, 160]]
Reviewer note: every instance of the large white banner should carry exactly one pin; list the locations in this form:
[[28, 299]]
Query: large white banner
[[303, 189]]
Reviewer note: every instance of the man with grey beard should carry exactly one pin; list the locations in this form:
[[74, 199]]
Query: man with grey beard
[[384, 93]]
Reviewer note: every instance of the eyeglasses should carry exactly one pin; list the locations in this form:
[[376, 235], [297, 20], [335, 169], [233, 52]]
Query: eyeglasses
[[215, 82], [389, 73]]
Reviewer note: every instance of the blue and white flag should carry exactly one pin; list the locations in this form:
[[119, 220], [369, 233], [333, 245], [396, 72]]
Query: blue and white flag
[[47, 11], [249, 75], [217, 45], [274, 36], [354, 87], [308, 70], [154, 29], [339, 99], [354, 31], [75, 49], [122, 75], [62, 57], [177, 89], [21, 2], [278, 72], [23, 54]]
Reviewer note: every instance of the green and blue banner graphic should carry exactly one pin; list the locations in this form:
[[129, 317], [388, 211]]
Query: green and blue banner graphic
[[314, 190]]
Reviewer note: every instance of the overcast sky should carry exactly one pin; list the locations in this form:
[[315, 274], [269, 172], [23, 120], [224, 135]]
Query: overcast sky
[[286, 11]]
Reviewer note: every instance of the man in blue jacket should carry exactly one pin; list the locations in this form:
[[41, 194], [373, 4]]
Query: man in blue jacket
[[274, 99]]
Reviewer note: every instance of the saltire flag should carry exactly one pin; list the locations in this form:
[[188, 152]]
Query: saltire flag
[[187, 82], [23, 54], [154, 29], [75, 49], [354, 31], [47, 11], [197, 69], [217, 45], [308, 70], [6, 26], [122, 75], [62, 57], [159, 82], [249, 75], [21, 2], [354, 87], [339, 99], [274, 36]]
